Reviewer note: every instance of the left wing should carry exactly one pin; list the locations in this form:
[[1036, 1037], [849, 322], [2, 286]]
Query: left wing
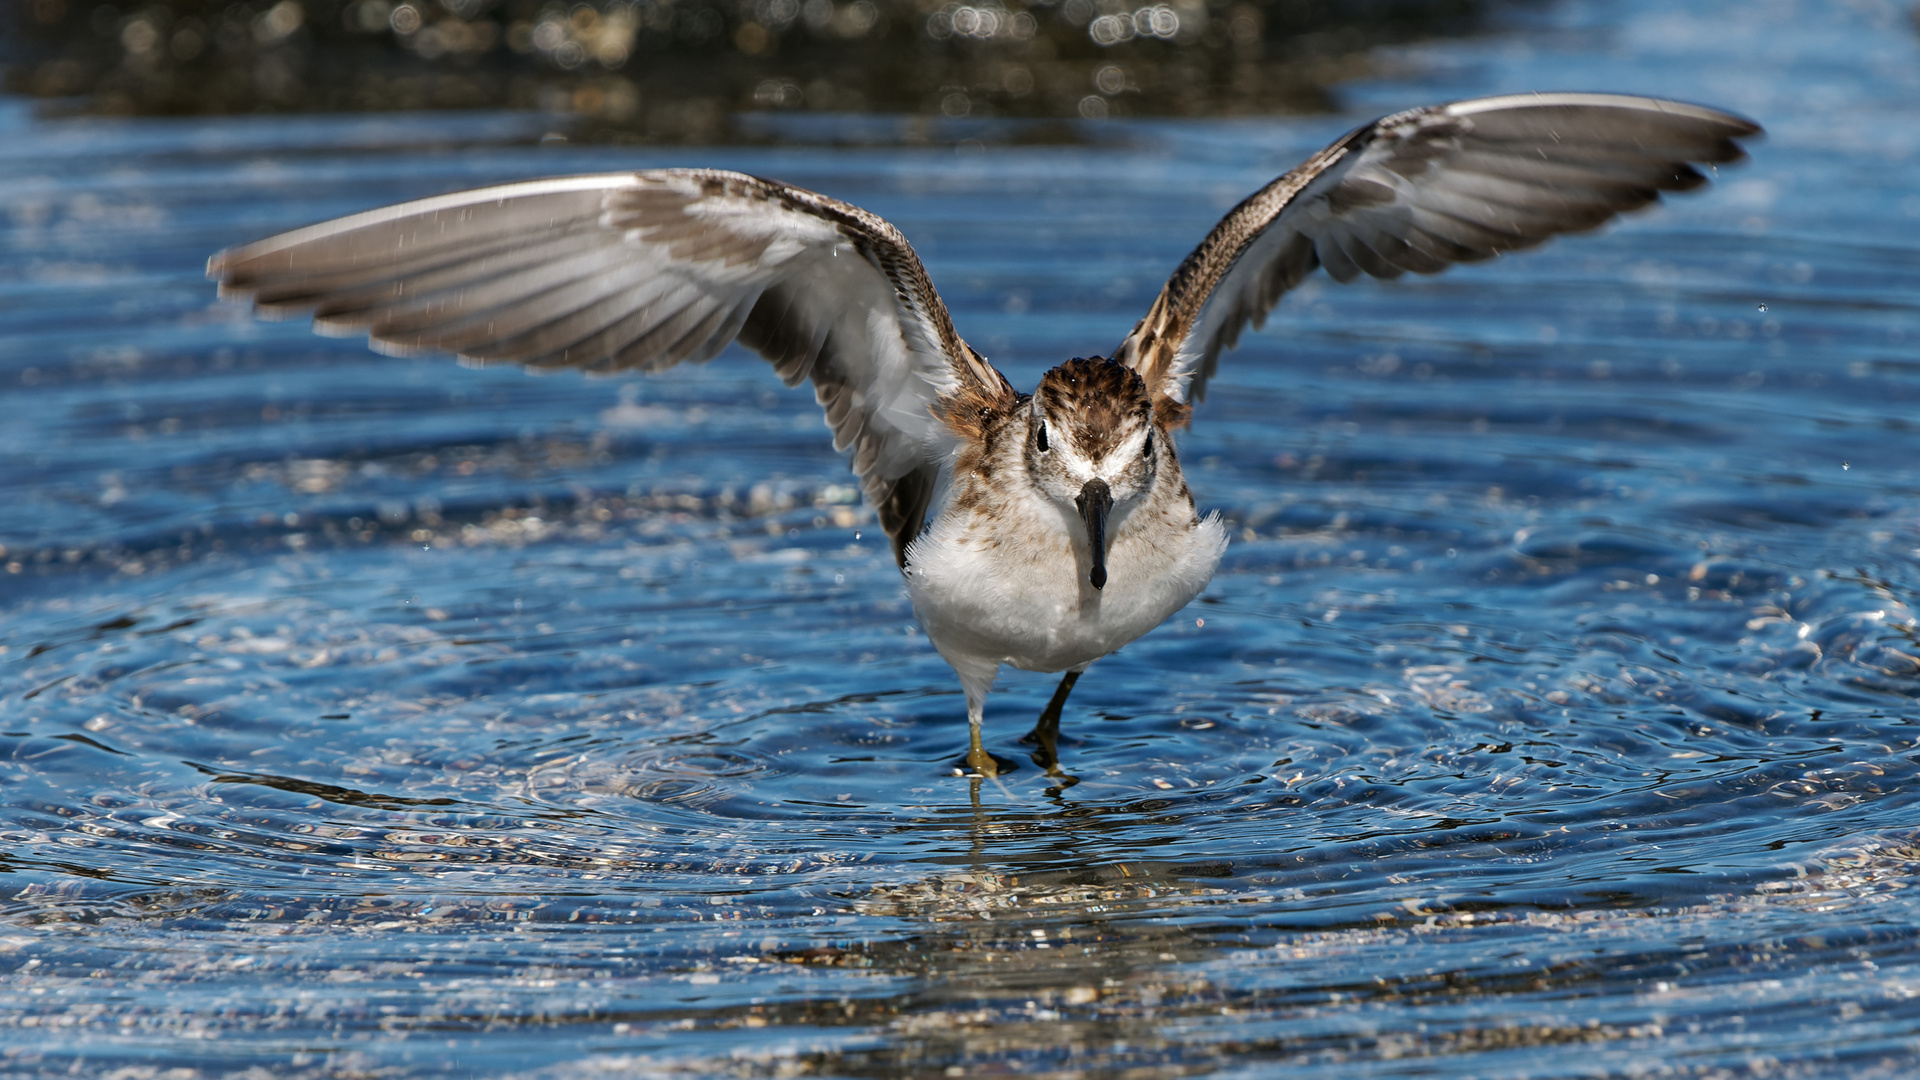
[[1421, 190], [646, 270]]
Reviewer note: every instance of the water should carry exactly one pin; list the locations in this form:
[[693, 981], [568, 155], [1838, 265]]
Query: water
[[1553, 713]]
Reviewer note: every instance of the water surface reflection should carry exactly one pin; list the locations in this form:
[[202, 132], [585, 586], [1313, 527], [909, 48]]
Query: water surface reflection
[[1552, 713]]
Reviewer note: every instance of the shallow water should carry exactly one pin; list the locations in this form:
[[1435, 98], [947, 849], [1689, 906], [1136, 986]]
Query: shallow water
[[1553, 713]]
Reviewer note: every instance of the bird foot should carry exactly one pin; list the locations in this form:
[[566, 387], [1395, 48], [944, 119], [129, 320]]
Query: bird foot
[[981, 763], [1045, 739]]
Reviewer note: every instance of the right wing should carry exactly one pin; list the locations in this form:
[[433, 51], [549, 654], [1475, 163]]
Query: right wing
[[1421, 190], [645, 270]]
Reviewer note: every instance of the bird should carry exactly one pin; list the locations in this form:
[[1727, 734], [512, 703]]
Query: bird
[[1044, 530]]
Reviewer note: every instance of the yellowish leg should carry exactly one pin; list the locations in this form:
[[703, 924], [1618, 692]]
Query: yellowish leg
[[977, 681], [977, 757]]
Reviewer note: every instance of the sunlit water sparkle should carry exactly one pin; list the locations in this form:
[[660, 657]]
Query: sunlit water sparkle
[[1553, 713]]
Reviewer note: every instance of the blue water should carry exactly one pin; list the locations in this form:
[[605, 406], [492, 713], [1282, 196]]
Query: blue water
[[1553, 713]]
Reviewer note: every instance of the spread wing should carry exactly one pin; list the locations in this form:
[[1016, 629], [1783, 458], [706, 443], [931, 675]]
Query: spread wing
[[645, 270], [1421, 190]]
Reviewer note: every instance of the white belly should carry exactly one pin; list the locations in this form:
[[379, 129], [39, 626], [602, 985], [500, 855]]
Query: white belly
[[1019, 593]]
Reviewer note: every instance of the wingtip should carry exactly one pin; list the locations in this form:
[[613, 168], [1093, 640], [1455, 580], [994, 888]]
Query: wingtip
[[245, 293], [1745, 127], [334, 328], [1740, 127], [383, 346], [220, 264]]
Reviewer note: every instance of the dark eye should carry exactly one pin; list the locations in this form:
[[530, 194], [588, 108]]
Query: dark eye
[[1148, 452], [1042, 437]]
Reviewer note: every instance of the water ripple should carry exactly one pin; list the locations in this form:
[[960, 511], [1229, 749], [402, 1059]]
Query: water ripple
[[1553, 712]]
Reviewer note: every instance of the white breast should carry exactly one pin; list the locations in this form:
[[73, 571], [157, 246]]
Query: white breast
[[1011, 585]]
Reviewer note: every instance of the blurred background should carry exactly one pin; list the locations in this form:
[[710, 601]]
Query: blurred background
[[694, 71]]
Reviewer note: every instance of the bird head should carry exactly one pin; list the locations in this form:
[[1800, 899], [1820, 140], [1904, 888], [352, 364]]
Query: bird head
[[1091, 445]]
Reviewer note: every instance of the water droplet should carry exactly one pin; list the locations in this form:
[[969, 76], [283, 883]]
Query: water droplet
[[1845, 465], [1763, 307]]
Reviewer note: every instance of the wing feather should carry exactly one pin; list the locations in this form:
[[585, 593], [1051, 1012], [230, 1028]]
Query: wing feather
[[470, 316], [1419, 191], [608, 315], [341, 295], [647, 270]]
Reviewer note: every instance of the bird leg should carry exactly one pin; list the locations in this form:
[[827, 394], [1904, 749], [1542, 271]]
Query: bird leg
[[977, 681], [978, 762], [1046, 730]]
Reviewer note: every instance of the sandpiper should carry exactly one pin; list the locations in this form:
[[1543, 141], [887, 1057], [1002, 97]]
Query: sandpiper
[[1045, 530]]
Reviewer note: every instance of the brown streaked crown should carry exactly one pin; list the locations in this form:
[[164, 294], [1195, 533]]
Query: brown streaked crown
[[1098, 400]]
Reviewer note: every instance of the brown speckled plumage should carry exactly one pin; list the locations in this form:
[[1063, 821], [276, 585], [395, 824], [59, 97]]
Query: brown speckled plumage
[[1150, 348], [1096, 396]]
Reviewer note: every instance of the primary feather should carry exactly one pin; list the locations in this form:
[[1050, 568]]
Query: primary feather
[[646, 270], [1419, 191]]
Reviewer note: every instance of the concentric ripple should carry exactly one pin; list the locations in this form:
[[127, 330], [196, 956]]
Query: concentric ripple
[[1553, 712]]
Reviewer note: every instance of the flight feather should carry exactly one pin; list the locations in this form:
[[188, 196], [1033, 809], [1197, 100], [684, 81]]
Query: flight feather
[[1421, 190], [645, 270]]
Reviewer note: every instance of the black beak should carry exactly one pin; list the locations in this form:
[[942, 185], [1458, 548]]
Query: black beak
[[1094, 502]]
